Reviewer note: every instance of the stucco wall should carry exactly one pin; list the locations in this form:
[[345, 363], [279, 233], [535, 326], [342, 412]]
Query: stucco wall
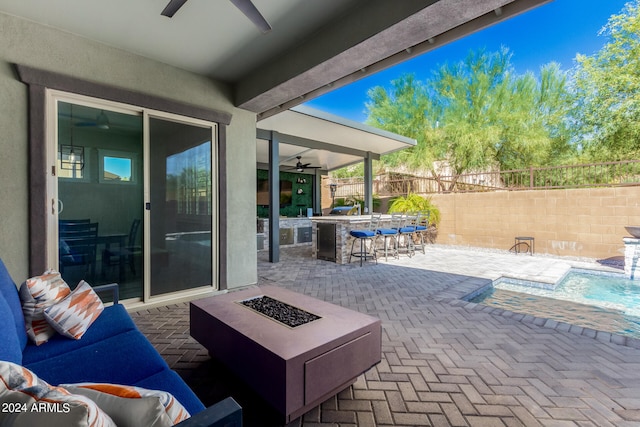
[[26, 43], [581, 222]]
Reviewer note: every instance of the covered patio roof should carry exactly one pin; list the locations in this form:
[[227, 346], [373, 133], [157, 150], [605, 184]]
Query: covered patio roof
[[325, 141], [322, 141]]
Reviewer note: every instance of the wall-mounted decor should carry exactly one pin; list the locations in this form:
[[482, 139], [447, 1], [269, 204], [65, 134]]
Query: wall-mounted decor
[[300, 197]]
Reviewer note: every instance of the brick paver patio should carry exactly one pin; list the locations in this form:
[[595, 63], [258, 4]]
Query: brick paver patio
[[445, 362]]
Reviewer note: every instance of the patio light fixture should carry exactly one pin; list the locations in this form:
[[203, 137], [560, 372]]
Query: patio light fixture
[[333, 187]]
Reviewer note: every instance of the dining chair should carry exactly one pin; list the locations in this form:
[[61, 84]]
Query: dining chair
[[114, 256], [77, 245]]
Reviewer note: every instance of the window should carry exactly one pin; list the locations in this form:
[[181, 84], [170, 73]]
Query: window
[[117, 167]]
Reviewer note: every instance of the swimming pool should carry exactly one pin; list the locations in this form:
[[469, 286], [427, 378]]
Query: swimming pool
[[597, 300]]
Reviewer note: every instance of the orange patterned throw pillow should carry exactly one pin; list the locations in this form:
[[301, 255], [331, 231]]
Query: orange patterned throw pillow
[[36, 294], [28, 401], [73, 315], [131, 406]]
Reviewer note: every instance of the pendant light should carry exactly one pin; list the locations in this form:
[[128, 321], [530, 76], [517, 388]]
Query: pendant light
[[72, 157]]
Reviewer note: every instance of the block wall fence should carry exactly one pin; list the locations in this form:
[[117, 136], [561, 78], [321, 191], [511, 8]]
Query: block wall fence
[[572, 222]]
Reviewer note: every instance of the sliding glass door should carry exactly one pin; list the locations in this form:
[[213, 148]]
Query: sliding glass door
[[100, 190], [182, 204], [133, 198]]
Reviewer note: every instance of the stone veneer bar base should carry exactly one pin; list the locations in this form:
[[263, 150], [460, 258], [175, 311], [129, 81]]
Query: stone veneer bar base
[[294, 369]]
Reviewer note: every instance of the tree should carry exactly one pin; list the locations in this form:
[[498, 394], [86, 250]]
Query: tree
[[475, 115], [607, 91]]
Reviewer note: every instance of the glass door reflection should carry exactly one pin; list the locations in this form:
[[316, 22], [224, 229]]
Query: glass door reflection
[[181, 206], [100, 196]]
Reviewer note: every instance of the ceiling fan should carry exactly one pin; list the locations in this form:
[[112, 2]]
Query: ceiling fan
[[300, 167], [245, 6], [101, 122]]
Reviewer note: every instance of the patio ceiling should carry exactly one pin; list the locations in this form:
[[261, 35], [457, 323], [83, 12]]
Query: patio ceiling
[[324, 140], [314, 47]]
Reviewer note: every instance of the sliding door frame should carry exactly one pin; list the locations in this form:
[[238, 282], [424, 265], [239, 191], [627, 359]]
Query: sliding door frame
[[147, 116], [38, 82]]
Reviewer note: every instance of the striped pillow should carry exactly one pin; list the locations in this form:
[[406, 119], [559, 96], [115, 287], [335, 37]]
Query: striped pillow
[[28, 401], [73, 315], [130, 405], [36, 294]]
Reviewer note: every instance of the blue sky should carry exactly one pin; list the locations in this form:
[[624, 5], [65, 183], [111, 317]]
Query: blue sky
[[554, 32], [119, 166]]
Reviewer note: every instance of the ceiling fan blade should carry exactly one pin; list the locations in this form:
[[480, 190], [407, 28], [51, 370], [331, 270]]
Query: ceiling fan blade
[[173, 7], [251, 12]]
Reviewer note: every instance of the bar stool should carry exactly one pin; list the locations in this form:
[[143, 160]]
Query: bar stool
[[422, 225], [408, 230], [390, 233], [367, 233]]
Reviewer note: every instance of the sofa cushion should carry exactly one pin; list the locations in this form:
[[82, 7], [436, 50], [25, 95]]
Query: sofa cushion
[[36, 294], [10, 349], [114, 320], [21, 391], [121, 359], [9, 290], [131, 406], [169, 381], [72, 316]]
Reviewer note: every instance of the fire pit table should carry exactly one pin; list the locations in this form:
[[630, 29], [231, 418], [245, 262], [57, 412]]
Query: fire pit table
[[309, 352]]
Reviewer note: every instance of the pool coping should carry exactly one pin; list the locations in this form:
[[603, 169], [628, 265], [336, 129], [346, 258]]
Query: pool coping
[[476, 285]]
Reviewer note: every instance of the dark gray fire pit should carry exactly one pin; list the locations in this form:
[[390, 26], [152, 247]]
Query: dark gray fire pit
[[294, 350]]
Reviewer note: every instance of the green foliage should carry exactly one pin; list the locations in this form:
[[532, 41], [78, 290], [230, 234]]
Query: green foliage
[[356, 170], [340, 201], [476, 114], [349, 171], [607, 92], [415, 203]]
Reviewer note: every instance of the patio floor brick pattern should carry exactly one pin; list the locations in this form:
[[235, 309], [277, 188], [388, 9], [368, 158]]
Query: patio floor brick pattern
[[445, 362]]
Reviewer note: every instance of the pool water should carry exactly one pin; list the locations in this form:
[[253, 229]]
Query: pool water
[[604, 302]]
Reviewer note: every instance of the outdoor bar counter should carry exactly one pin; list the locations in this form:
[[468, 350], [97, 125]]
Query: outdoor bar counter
[[331, 238], [294, 231]]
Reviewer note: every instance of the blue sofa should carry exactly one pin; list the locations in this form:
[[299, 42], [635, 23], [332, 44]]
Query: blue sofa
[[113, 350]]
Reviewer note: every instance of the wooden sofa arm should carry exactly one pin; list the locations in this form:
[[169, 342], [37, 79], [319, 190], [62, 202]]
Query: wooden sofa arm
[[226, 413], [111, 287]]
